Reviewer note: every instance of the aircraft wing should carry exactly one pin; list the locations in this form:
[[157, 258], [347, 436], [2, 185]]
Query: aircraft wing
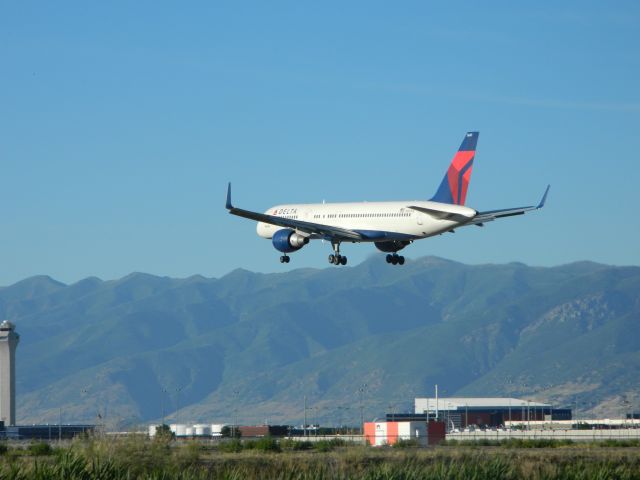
[[302, 226], [491, 215]]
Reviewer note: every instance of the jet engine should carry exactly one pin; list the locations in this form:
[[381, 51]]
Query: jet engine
[[287, 241], [392, 245]]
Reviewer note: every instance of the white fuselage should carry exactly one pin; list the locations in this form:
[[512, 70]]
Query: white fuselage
[[378, 221]]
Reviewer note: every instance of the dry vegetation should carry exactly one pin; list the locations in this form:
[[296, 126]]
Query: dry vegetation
[[139, 458]]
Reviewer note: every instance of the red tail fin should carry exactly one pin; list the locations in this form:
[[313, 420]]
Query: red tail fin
[[453, 188]]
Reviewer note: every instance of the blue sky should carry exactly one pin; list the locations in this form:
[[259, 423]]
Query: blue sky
[[123, 121]]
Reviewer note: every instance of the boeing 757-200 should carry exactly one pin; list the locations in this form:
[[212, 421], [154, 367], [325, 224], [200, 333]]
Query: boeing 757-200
[[390, 226]]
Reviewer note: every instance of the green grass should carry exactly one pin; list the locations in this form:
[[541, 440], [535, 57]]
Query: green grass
[[539, 443], [139, 458]]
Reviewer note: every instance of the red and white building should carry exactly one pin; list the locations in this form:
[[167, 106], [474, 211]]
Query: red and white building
[[389, 433]]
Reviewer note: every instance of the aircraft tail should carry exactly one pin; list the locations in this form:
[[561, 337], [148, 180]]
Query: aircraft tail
[[453, 188]]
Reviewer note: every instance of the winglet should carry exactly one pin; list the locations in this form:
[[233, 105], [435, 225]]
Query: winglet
[[228, 204], [544, 197]]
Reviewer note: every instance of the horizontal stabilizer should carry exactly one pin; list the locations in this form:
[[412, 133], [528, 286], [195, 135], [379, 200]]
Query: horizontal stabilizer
[[442, 214], [490, 215]]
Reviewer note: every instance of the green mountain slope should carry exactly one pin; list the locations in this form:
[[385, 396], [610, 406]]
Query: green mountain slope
[[371, 336]]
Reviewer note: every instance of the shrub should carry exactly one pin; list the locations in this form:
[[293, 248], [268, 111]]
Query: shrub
[[187, 455], [3, 448], [232, 446], [536, 443], [264, 444], [163, 432], [138, 455], [411, 443], [328, 445], [40, 449], [619, 443], [296, 445]]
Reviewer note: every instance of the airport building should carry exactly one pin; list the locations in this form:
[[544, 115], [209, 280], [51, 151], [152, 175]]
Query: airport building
[[460, 412], [206, 430], [391, 432], [44, 432], [8, 343], [8, 429], [181, 430]]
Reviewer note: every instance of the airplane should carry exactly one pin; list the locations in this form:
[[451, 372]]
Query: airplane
[[390, 226]]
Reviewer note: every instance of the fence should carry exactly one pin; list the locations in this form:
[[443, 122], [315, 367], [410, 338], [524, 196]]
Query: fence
[[575, 435], [319, 438]]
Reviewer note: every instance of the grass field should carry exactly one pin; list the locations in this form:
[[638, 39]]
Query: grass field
[[139, 458]]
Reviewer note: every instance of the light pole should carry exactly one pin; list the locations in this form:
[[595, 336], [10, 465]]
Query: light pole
[[625, 408], [392, 408], [316, 425], [466, 415], [178, 390], [341, 412], [236, 394], [102, 400], [83, 393], [304, 425], [362, 389], [163, 391]]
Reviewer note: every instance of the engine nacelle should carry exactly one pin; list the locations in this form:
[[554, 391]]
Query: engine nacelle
[[287, 241], [391, 246]]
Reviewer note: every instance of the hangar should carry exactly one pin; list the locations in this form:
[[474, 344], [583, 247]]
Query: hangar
[[460, 412]]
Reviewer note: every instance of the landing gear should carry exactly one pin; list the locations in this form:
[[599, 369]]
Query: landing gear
[[335, 258], [395, 259], [285, 259]]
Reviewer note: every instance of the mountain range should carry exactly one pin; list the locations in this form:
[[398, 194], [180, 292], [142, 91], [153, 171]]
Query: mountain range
[[361, 340]]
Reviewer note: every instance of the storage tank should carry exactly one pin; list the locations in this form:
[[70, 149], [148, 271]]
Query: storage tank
[[216, 429], [188, 431], [179, 429], [153, 430], [201, 430]]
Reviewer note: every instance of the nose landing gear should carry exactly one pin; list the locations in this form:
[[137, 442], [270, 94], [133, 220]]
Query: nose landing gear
[[285, 259], [395, 259]]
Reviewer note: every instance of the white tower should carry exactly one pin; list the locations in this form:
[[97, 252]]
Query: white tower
[[8, 342]]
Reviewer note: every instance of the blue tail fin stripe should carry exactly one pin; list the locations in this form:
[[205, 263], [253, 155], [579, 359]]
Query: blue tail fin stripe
[[470, 141]]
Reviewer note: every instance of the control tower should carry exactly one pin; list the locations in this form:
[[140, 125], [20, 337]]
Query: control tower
[[8, 342]]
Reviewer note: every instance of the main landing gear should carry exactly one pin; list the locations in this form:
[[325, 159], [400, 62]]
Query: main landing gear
[[395, 259], [335, 258], [285, 259]]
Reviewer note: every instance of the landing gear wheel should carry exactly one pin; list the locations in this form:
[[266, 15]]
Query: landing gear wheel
[[394, 260], [401, 260], [389, 258], [335, 258], [284, 259]]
